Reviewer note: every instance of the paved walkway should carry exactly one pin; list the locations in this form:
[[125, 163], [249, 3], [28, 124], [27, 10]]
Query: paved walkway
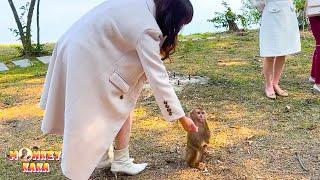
[[22, 63], [3, 67]]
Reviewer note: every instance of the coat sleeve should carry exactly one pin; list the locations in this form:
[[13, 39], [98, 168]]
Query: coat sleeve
[[148, 48]]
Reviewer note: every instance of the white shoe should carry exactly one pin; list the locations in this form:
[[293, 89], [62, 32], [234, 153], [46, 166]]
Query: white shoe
[[312, 80], [106, 159], [316, 87], [123, 164]]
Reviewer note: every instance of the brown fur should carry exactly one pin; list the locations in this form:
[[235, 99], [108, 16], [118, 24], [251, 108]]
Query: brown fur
[[197, 141]]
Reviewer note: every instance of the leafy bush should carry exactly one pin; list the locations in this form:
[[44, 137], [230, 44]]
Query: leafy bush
[[250, 13], [300, 9], [250, 16], [227, 19]]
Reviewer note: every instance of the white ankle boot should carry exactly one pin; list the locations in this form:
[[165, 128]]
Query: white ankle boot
[[123, 164], [106, 159]]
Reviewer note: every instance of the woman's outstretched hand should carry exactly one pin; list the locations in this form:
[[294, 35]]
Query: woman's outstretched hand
[[188, 124]]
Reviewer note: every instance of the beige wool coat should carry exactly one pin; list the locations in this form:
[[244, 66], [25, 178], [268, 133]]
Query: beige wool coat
[[95, 77]]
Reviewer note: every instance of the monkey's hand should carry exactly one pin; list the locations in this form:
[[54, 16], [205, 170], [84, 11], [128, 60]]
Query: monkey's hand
[[204, 144], [205, 148], [188, 125]]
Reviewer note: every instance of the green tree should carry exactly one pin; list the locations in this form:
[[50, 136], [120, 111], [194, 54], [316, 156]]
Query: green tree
[[300, 9], [38, 25], [24, 28], [250, 13], [227, 19]]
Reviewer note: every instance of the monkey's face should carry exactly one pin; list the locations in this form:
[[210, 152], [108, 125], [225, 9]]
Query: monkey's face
[[198, 114], [24, 152]]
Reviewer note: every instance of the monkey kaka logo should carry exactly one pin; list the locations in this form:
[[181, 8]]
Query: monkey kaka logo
[[25, 154]]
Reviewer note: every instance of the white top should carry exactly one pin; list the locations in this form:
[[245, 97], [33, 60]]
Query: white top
[[279, 31]]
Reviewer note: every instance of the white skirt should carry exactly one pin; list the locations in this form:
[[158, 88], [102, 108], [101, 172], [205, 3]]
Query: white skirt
[[279, 31]]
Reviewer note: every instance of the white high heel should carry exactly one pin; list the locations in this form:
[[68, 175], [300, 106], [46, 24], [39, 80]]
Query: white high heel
[[316, 87], [123, 164]]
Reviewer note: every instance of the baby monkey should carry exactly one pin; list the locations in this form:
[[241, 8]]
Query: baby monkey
[[197, 142]]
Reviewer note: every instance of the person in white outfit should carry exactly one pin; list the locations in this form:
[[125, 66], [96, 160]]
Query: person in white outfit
[[96, 74], [279, 36]]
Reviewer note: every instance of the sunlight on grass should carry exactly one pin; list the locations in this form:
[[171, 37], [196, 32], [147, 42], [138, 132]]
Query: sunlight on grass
[[232, 63], [221, 44], [233, 111], [12, 77], [26, 111], [39, 80], [169, 139], [148, 123], [33, 91], [154, 123], [234, 135], [300, 95], [17, 96], [220, 139], [140, 112], [246, 132], [10, 45]]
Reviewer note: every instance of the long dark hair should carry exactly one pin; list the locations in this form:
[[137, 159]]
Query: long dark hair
[[171, 16]]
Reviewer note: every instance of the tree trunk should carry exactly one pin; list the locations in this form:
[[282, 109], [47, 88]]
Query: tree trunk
[[233, 26], [18, 22], [28, 28], [38, 24], [25, 37]]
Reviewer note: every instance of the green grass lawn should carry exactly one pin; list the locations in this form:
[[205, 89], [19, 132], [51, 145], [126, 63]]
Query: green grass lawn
[[252, 137]]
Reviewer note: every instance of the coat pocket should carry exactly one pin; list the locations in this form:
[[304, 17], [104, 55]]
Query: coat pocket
[[274, 9], [119, 82]]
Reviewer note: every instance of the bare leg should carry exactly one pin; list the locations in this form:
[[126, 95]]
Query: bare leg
[[268, 74], [122, 162], [121, 142], [123, 136], [278, 68]]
